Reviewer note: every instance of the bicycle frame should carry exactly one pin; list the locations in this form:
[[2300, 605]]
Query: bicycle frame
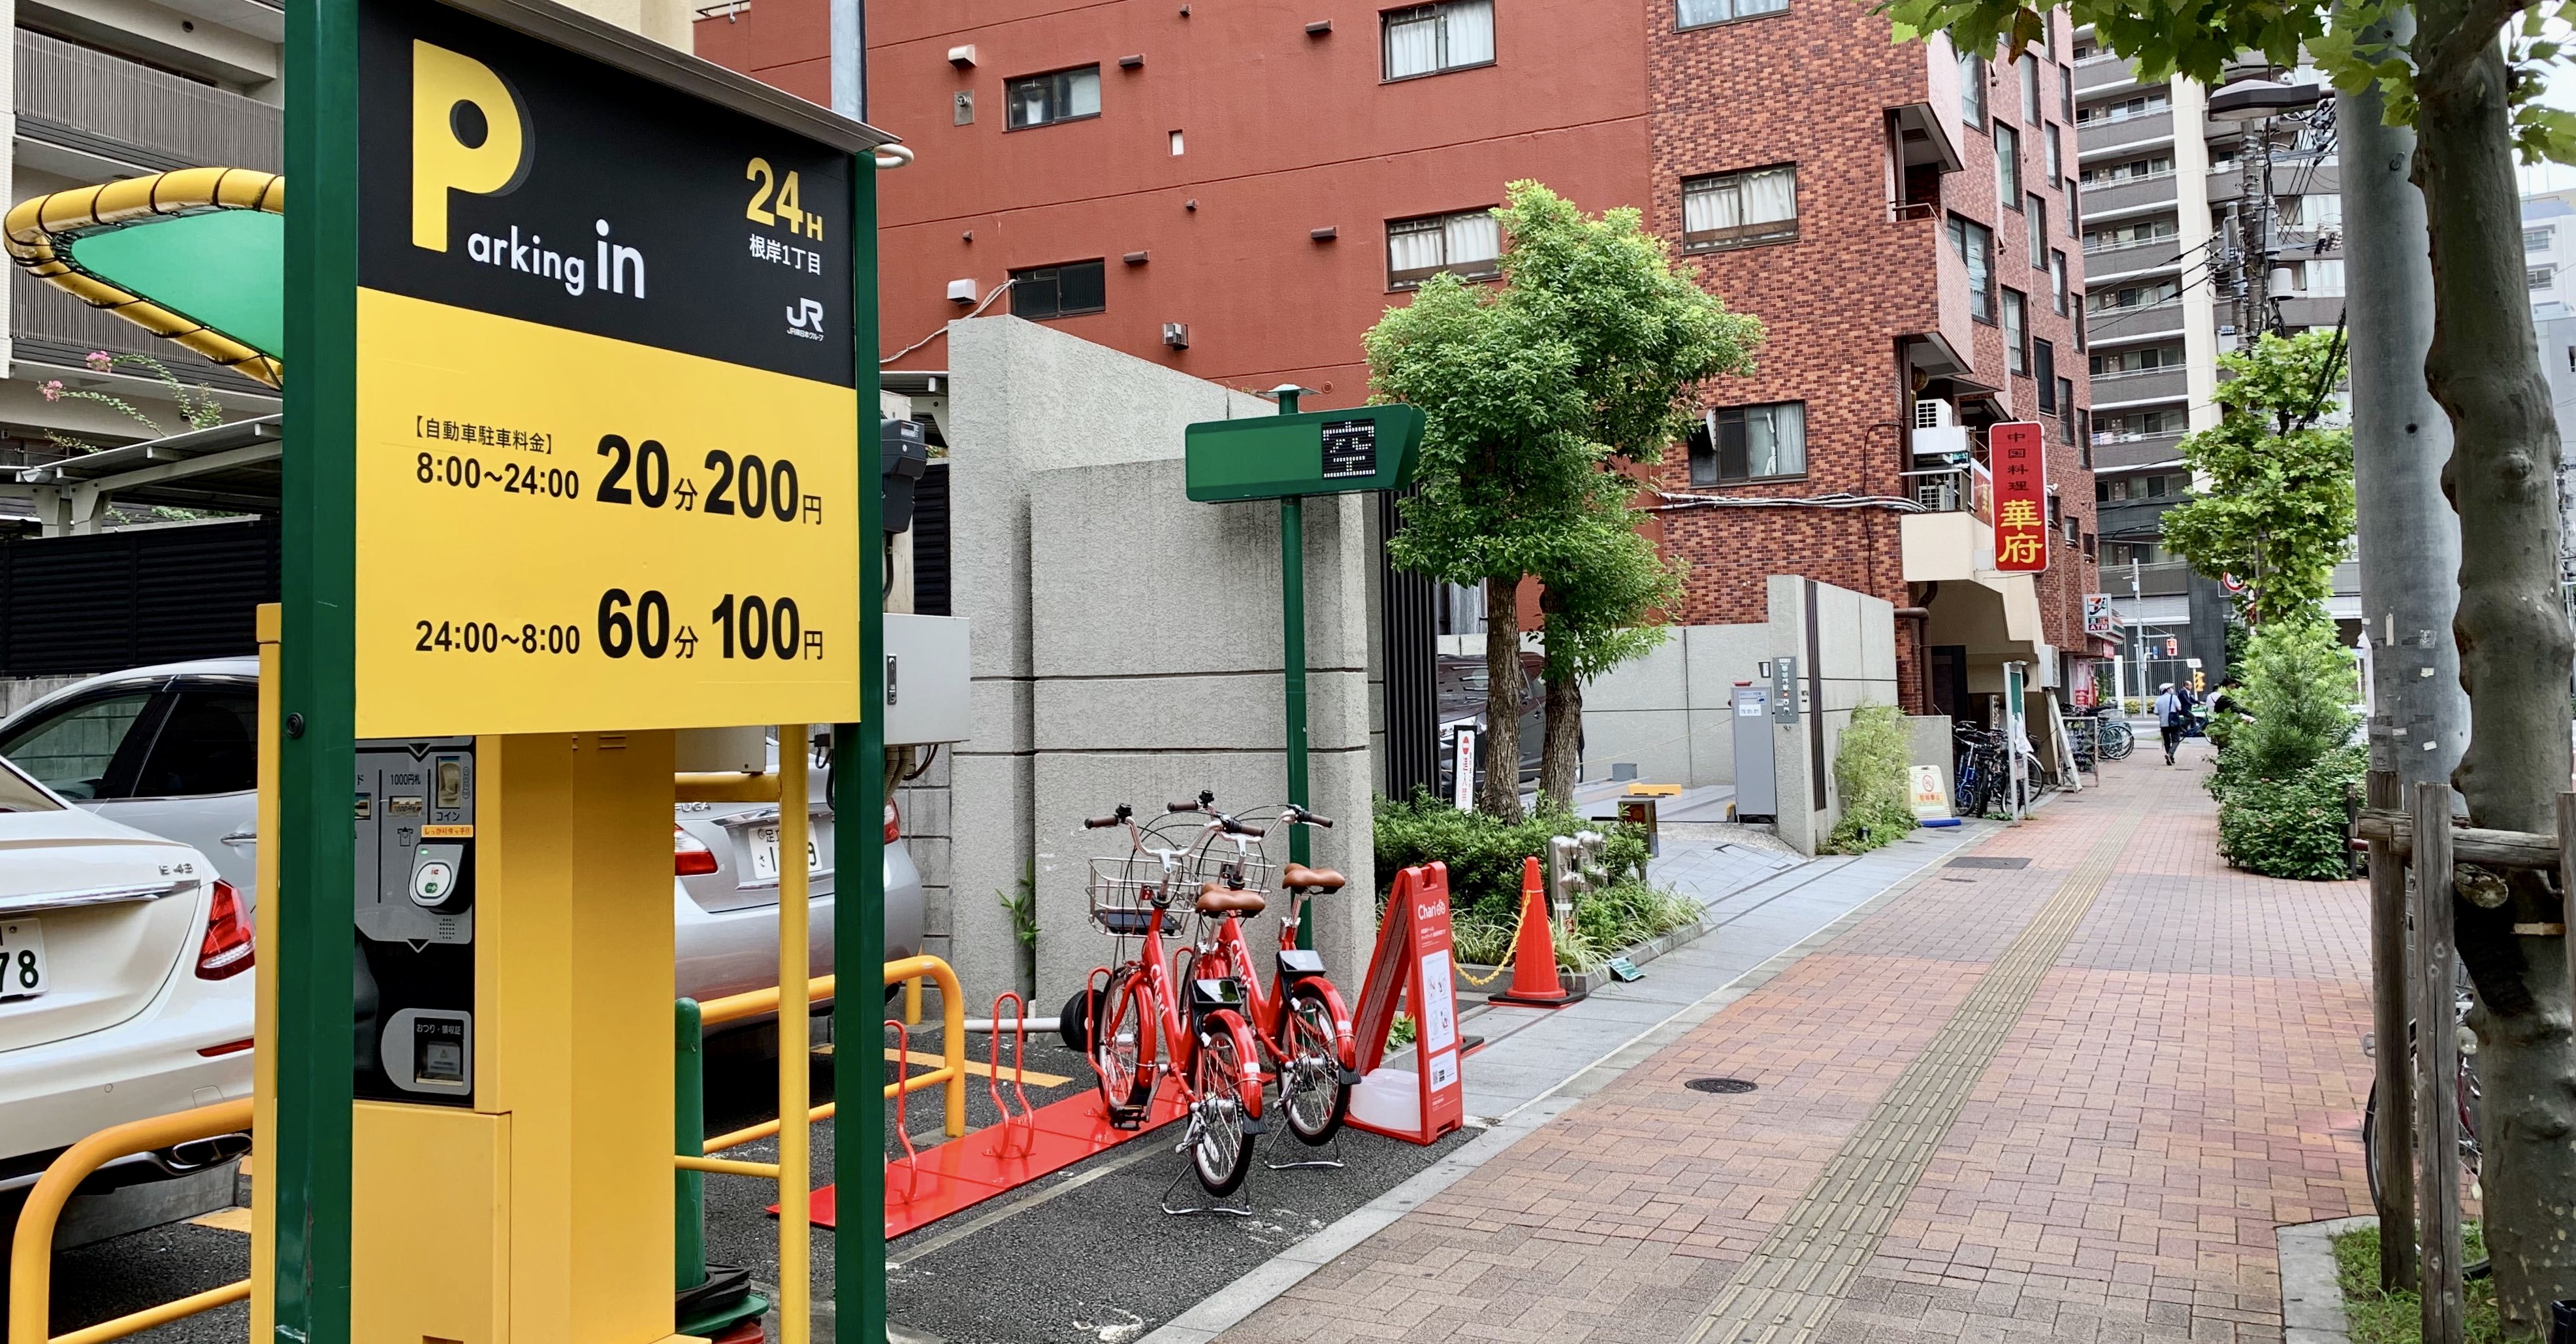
[[1269, 1003], [1180, 1048]]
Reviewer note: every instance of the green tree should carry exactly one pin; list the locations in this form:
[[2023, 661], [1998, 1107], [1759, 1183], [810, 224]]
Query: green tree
[[2468, 79], [1589, 350], [2278, 512], [1596, 607]]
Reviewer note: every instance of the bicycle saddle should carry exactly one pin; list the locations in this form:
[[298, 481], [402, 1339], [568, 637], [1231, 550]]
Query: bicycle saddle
[[1216, 898], [1298, 876]]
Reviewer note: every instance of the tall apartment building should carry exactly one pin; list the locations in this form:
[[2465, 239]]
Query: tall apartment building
[[101, 91], [1239, 192], [2168, 225]]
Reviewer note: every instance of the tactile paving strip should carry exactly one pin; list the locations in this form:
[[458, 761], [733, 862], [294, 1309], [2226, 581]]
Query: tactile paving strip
[[1795, 1278]]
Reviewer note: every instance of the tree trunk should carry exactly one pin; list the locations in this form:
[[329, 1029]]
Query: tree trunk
[[1563, 749], [2515, 648], [1500, 794]]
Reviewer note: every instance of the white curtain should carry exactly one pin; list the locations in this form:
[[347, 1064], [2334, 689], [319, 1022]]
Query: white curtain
[[1412, 46], [1413, 251], [1083, 97], [2323, 277], [1771, 196], [1697, 12], [1473, 238], [1775, 440], [1471, 31], [1720, 206]]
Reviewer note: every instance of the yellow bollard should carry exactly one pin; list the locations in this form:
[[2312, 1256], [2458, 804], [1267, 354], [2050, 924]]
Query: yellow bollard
[[795, 1159]]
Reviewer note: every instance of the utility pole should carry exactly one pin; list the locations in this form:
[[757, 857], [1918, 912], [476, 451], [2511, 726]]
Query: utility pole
[[2409, 570]]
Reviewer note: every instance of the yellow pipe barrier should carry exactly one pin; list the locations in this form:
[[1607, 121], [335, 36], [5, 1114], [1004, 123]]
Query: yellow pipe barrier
[[952, 1010], [725, 786], [167, 1312], [912, 1002], [31, 1251], [727, 1166], [755, 1133], [757, 1002], [795, 1064]]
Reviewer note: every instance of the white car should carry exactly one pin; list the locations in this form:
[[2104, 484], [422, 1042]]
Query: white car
[[123, 995], [173, 750]]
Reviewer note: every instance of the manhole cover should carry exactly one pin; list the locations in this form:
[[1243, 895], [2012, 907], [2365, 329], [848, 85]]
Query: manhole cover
[[1721, 1086], [1974, 861]]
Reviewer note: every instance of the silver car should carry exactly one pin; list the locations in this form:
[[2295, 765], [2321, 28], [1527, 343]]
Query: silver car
[[173, 750]]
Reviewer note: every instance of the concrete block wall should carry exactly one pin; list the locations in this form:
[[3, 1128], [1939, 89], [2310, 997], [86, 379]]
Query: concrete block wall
[[1126, 641], [1668, 712], [1845, 644]]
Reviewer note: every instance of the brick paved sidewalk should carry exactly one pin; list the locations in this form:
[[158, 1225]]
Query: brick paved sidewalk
[[2066, 1101]]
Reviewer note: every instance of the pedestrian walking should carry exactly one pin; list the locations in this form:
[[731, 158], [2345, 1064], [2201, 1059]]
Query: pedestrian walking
[[2173, 717]]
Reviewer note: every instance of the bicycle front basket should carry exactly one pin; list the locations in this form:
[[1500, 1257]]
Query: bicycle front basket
[[1122, 896]]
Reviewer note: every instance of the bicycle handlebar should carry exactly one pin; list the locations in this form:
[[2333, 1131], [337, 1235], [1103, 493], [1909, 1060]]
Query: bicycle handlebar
[[1099, 823], [1298, 816], [1180, 807]]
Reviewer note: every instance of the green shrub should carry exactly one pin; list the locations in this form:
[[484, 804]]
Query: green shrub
[[1871, 766], [1484, 855], [2291, 827], [2299, 688]]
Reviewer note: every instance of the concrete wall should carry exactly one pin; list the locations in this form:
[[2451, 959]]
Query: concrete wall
[[1668, 712], [1845, 644], [16, 693], [1126, 641]]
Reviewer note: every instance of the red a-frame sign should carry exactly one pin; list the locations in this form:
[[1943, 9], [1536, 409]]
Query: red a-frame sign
[[1412, 961]]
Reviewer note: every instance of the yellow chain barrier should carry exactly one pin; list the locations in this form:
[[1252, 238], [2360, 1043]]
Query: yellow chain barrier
[[1513, 943]]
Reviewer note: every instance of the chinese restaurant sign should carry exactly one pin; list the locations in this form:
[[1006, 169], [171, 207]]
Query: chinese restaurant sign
[[2020, 458]]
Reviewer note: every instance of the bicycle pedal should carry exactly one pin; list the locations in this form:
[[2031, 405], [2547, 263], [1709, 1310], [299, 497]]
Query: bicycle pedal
[[1126, 1117], [1350, 1077]]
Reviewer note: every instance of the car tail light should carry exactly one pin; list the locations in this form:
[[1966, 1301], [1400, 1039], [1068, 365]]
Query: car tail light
[[226, 950], [894, 824], [690, 855]]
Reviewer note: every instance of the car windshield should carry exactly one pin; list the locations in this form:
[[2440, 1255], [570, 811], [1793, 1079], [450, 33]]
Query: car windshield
[[20, 794]]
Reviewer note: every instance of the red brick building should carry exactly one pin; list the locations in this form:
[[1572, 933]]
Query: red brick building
[[1241, 190]]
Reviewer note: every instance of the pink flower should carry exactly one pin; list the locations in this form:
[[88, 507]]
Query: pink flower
[[53, 389], [100, 360]]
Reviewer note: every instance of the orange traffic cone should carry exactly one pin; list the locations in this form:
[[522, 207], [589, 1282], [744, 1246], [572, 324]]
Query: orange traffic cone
[[1535, 981]]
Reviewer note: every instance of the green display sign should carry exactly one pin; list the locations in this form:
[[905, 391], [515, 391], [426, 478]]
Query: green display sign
[[1310, 453]]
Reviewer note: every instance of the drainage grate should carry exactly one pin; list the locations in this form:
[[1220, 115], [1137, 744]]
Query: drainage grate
[[1976, 861], [1720, 1086]]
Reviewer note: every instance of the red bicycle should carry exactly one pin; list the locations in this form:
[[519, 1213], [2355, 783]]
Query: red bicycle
[[1213, 1054], [1299, 1020]]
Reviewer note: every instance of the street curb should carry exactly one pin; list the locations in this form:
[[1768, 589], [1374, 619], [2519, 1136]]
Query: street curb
[[2311, 1300], [1230, 1305]]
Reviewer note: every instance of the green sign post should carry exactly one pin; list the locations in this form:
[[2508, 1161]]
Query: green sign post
[[1288, 457]]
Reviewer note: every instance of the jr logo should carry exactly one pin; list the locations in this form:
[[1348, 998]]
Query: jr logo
[[807, 315], [468, 133]]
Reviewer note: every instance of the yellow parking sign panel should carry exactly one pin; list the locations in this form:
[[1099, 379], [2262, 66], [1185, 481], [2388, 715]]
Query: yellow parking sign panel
[[607, 418]]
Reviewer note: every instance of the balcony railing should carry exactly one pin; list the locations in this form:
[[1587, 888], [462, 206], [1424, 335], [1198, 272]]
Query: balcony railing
[[103, 105], [2133, 386], [1966, 488]]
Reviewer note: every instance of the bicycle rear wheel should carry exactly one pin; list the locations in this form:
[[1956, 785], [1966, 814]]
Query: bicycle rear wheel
[[1311, 1090], [2466, 1098], [1122, 1041], [1220, 1139], [2118, 740]]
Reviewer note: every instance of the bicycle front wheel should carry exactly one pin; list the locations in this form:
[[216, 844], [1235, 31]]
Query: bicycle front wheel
[[2476, 1266], [1220, 1140], [1122, 1041], [2117, 740], [1311, 1090]]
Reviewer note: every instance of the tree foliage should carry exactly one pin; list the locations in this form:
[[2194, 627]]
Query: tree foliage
[[2278, 510], [1589, 350], [1873, 765]]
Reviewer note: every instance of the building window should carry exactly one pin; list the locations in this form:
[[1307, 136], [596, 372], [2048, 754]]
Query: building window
[[2076, 301], [2533, 240], [2038, 233], [2137, 296], [1740, 209], [2016, 332], [2007, 166], [2029, 89], [1043, 100], [2143, 105], [2043, 373], [2324, 279], [2084, 437], [2112, 236], [2056, 157], [1428, 39], [2089, 543], [1468, 244], [1972, 89], [2145, 359], [2065, 405], [1750, 443], [1975, 244], [1702, 13], [2057, 278], [2129, 170], [2540, 277], [1059, 291], [2066, 92]]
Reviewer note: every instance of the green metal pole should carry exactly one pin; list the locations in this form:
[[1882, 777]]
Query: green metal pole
[[1292, 634], [689, 1138], [858, 848], [310, 939]]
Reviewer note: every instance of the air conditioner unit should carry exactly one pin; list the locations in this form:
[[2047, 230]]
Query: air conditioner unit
[[961, 291], [1940, 445], [1934, 413], [1177, 335]]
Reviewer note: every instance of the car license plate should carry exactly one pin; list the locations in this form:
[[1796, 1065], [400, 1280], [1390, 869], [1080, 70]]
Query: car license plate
[[22, 959], [764, 853]]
